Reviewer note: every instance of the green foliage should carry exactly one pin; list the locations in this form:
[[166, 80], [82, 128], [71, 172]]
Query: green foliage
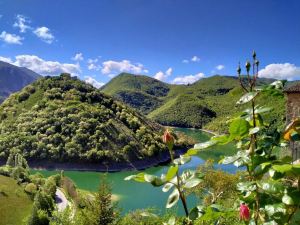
[[143, 217], [98, 209], [270, 187], [30, 188], [43, 207], [206, 103], [65, 119]]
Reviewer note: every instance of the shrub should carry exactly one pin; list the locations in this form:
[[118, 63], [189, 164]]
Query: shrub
[[30, 188]]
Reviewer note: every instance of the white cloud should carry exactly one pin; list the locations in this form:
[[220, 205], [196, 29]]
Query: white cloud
[[21, 23], [44, 34], [11, 38], [195, 59], [162, 76], [188, 79], [285, 71], [78, 57], [5, 59], [44, 67], [114, 67], [93, 82], [92, 64], [169, 71], [220, 67]]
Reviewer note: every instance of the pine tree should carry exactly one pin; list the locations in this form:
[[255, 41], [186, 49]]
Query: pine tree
[[107, 212]]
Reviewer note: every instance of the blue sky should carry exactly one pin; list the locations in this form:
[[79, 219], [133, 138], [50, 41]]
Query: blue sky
[[177, 41]]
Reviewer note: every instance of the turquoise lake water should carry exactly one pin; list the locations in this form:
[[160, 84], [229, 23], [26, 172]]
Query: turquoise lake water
[[135, 195]]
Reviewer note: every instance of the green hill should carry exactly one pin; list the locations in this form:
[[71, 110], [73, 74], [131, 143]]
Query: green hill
[[141, 92], [15, 204], [204, 104], [62, 119], [14, 78]]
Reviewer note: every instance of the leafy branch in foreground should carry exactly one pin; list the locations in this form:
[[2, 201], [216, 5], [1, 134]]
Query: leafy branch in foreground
[[270, 192], [174, 181]]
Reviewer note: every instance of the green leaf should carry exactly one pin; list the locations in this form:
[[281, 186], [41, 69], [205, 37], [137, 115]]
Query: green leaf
[[171, 172], [285, 168], [196, 212], [192, 183], [286, 199], [275, 208], [221, 139], [277, 84], [254, 130], [205, 145], [238, 128], [242, 156], [171, 221], [138, 177], [183, 159], [262, 110], [149, 178], [172, 199], [186, 175], [167, 187], [157, 182], [271, 186], [191, 152], [148, 214], [246, 186], [247, 98]]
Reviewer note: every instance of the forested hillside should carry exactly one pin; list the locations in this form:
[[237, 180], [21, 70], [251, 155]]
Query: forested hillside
[[64, 119], [204, 104]]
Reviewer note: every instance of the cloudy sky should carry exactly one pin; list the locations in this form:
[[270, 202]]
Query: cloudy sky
[[177, 41]]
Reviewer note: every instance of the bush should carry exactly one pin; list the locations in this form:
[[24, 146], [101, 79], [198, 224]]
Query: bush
[[23, 96], [31, 188]]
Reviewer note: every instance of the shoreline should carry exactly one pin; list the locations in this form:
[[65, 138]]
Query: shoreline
[[194, 128], [110, 167]]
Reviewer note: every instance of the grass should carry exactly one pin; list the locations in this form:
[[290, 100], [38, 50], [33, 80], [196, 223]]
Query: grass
[[15, 204]]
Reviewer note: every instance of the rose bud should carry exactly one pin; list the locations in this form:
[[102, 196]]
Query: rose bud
[[168, 139], [244, 212], [248, 66]]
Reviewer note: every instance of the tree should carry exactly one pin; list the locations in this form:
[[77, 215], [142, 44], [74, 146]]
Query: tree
[[106, 209], [100, 211]]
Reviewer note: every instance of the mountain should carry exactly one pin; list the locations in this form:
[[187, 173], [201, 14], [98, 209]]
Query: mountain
[[204, 104], [63, 119], [140, 92], [14, 78]]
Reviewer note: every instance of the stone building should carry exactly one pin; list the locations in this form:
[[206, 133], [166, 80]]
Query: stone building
[[293, 111]]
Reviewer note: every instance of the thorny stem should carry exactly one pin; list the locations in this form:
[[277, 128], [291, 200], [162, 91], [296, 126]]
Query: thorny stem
[[253, 144], [178, 186]]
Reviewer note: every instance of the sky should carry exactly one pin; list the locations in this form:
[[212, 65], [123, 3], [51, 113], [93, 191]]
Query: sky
[[176, 41]]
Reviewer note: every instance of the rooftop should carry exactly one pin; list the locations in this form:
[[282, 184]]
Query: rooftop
[[293, 89]]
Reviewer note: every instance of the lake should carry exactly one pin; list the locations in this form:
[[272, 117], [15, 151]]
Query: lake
[[135, 195]]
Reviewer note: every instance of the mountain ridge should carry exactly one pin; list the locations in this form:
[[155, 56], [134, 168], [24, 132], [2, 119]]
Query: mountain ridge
[[14, 78], [199, 105]]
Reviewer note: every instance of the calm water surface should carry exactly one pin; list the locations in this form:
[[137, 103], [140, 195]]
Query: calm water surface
[[135, 195]]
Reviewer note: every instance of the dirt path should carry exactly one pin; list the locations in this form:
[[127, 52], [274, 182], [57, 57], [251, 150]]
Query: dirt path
[[60, 200]]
